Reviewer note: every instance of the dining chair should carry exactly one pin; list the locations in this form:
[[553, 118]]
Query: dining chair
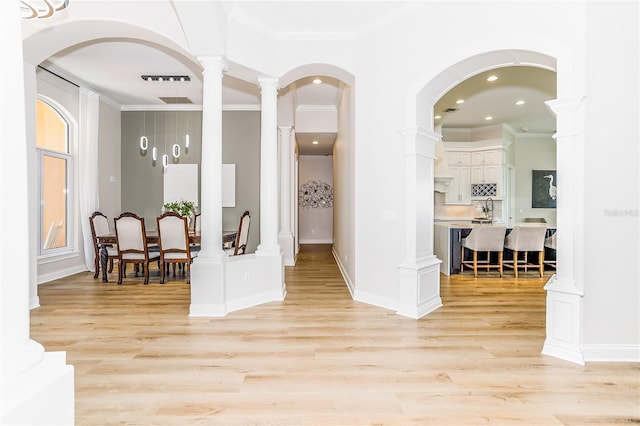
[[173, 239], [131, 238], [523, 239], [240, 244], [550, 243], [484, 239], [100, 226]]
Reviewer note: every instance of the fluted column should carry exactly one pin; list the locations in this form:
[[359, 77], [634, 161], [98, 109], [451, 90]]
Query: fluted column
[[211, 162], [285, 238], [269, 169]]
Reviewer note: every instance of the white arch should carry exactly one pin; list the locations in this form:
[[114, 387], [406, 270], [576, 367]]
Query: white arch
[[564, 295], [317, 69]]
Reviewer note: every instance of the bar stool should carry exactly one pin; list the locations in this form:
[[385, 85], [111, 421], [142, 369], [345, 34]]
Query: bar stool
[[525, 239], [483, 238]]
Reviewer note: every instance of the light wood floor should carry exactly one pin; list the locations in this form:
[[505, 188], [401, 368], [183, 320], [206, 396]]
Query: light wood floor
[[319, 358]]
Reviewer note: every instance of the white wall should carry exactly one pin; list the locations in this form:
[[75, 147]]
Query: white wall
[[611, 244], [316, 224], [532, 153], [344, 194]]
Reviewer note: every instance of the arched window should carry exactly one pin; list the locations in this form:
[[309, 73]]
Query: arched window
[[54, 178]]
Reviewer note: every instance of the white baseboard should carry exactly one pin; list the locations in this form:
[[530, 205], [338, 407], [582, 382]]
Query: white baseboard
[[317, 241], [343, 271], [62, 273], [611, 353]]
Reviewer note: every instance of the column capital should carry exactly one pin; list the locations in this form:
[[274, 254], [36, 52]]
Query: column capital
[[285, 130], [268, 83], [420, 141], [213, 62]]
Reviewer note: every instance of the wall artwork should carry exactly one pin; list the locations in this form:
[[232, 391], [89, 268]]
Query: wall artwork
[[315, 194], [543, 189]]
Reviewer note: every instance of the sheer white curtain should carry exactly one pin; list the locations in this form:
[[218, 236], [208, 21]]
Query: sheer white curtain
[[88, 165]]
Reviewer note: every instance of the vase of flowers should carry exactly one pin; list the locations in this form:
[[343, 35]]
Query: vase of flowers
[[183, 208]]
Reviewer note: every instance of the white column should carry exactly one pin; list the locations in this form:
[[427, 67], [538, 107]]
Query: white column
[[208, 287], [420, 271], [269, 169], [36, 387], [285, 237], [211, 162], [564, 292]]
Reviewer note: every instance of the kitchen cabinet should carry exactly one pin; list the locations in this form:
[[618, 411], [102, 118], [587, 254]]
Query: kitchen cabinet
[[459, 191], [489, 173]]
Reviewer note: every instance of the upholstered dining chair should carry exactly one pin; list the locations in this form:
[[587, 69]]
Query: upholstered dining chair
[[240, 244], [550, 243], [132, 244], [100, 226], [484, 239], [523, 239], [173, 239]]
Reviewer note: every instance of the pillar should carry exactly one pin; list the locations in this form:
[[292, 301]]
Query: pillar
[[564, 293], [208, 296], [420, 271], [287, 203], [36, 387]]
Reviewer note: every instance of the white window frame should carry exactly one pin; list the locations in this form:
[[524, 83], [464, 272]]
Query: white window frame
[[70, 188]]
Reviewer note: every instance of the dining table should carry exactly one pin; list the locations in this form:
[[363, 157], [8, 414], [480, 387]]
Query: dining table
[[110, 239]]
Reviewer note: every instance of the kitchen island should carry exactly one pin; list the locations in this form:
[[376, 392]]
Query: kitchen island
[[447, 244]]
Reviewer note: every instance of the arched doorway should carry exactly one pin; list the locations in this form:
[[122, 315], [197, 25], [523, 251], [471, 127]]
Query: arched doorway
[[563, 296]]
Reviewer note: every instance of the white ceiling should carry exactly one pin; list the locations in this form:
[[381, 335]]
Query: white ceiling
[[114, 68]]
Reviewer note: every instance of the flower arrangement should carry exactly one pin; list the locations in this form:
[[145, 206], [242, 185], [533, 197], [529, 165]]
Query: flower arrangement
[[182, 207]]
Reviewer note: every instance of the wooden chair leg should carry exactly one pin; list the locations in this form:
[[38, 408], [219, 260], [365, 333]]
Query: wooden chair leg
[[500, 263], [96, 264], [475, 264], [162, 264], [110, 265], [515, 263], [541, 262], [146, 273], [462, 261]]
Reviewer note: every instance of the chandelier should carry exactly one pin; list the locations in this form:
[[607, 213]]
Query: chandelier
[[144, 140], [39, 9]]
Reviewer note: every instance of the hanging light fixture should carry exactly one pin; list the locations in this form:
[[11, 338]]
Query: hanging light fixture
[[176, 149], [40, 9]]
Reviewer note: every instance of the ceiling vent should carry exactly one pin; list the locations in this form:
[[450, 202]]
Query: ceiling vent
[[175, 100], [451, 110]]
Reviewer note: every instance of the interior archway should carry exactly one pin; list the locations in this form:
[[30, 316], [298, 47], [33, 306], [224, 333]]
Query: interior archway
[[437, 86]]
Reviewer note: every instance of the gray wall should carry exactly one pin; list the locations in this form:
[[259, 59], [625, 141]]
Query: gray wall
[[142, 181]]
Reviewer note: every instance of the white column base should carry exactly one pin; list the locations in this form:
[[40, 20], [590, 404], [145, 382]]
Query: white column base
[[208, 295], [287, 243], [43, 394], [419, 287], [564, 307], [253, 280]]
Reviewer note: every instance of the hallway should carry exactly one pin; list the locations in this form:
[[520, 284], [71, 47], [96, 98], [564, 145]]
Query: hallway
[[321, 358]]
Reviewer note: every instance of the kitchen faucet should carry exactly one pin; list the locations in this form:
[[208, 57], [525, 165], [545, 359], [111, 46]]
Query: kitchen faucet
[[488, 208]]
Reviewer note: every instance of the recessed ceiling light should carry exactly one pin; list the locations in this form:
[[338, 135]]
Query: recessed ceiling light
[[317, 81], [520, 102], [315, 142], [488, 117], [460, 101], [438, 117], [492, 78]]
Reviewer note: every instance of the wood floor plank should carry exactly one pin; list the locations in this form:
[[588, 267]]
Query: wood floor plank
[[321, 358]]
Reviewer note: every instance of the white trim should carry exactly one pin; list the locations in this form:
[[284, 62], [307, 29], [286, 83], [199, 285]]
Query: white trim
[[343, 271], [57, 257], [316, 108], [254, 300], [317, 241], [376, 300], [188, 107], [611, 353], [62, 273]]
